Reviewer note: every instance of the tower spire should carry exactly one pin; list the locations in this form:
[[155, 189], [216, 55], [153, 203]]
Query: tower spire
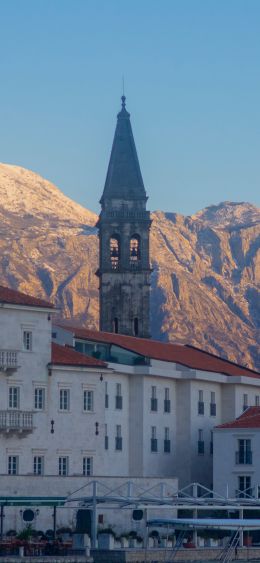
[[124, 178], [124, 225]]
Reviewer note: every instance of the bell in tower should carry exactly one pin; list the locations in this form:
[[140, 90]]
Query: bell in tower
[[124, 226]]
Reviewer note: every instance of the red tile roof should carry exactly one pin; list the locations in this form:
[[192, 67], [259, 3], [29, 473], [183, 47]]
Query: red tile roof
[[14, 297], [65, 356], [248, 419], [185, 355]]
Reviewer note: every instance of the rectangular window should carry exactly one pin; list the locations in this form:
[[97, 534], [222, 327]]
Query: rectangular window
[[153, 399], [244, 453], [39, 398], [244, 486], [27, 340], [106, 438], [213, 410], [167, 402], [87, 466], [119, 398], [167, 442], [106, 396], [154, 445], [245, 402], [14, 398], [118, 439], [88, 401], [13, 462], [38, 465], [63, 466], [211, 443], [200, 403], [64, 399], [200, 442], [257, 401]]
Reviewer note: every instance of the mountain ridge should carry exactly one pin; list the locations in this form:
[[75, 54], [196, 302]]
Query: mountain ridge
[[206, 267]]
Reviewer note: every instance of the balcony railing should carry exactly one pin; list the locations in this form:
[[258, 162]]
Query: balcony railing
[[16, 421], [167, 446], [213, 409], [135, 264], [167, 405], [8, 361], [119, 402], [154, 404], [201, 447], [154, 447], [244, 458], [246, 493], [119, 443]]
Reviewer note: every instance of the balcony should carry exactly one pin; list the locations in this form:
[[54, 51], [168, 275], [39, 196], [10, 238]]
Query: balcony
[[244, 457], [201, 447], [119, 443], [8, 361], [119, 402], [246, 493], [167, 405], [16, 421], [154, 405], [154, 447], [167, 446]]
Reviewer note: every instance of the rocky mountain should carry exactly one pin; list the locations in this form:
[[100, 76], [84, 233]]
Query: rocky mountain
[[206, 267]]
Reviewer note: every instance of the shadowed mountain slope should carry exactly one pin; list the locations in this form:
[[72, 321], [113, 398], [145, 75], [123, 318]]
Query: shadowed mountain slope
[[206, 268]]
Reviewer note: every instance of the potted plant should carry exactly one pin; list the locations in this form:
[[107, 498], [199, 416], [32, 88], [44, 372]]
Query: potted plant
[[154, 534], [124, 540], [106, 538], [132, 538]]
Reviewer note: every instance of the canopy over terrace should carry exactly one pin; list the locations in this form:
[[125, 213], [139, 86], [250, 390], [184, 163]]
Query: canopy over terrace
[[30, 501], [206, 523], [163, 496]]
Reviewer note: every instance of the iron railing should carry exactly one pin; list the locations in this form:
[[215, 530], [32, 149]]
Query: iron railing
[[244, 457], [16, 421], [8, 360]]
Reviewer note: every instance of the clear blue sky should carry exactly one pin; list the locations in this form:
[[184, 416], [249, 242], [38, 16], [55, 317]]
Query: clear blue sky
[[192, 81]]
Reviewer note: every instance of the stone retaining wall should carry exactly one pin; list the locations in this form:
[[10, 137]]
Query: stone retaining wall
[[166, 555]]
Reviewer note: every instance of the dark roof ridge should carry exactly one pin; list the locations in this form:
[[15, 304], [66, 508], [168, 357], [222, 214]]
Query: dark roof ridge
[[220, 358], [15, 297], [68, 356], [246, 413], [187, 356], [244, 418]]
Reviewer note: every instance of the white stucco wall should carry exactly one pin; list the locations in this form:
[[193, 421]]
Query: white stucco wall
[[226, 470]]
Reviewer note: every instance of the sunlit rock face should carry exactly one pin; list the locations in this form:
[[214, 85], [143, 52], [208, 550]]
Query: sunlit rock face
[[206, 268]]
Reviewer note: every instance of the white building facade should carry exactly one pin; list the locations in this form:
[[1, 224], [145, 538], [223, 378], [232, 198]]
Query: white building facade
[[172, 398], [236, 456], [77, 405]]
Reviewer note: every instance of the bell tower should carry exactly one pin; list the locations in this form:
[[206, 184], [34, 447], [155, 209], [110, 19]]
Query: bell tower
[[124, 225]]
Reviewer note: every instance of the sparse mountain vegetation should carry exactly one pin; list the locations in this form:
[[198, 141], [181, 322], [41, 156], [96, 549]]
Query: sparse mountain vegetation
[[205, 283]]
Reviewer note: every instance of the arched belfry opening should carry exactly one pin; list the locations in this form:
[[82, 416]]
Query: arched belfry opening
[[135, 249], [114, 247], [124, 226]]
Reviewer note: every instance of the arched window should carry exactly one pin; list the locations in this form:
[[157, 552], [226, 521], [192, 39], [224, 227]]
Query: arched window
[[136, 326], [114, 251], [115, 325], [135, 251]]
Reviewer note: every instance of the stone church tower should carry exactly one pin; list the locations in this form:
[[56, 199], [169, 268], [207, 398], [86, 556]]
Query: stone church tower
[[124, 225]]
